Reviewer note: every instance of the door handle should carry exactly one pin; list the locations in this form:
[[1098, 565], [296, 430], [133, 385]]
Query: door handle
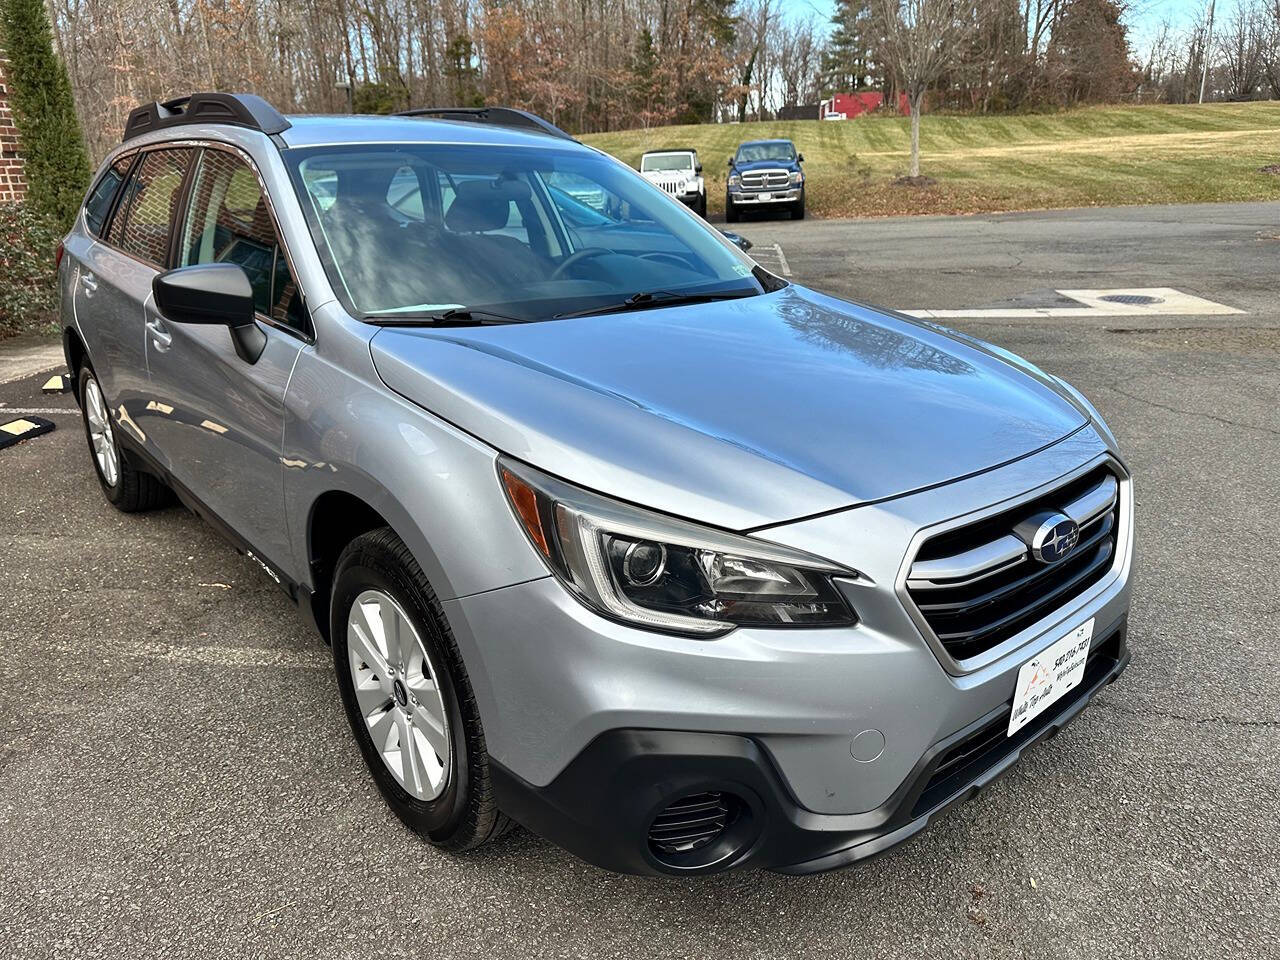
[[160, 337], [89, 282]]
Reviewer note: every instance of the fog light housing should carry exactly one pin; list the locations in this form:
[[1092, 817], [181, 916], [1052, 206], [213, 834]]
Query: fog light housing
[[701, 830]]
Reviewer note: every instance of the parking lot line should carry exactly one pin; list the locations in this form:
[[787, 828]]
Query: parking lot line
[[1122, 302], [782, 260]]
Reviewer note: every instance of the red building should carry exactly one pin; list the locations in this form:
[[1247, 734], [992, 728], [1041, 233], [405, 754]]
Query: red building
[[846, 106]]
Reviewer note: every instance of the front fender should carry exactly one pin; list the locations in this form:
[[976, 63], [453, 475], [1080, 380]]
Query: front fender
[[434, 484]]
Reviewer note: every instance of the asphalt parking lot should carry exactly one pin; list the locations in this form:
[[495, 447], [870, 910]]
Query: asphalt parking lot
[[177, 778]]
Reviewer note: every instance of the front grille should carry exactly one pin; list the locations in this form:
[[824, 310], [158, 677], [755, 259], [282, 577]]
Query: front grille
[[963, 762], [979, 585], [766, 179], [670, 186], [690, 823]]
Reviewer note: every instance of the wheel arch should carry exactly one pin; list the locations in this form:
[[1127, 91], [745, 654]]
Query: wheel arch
[[336, 517], [76, 354]]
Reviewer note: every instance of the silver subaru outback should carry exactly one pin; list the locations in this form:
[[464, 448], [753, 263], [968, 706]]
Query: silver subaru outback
[[612, 532]]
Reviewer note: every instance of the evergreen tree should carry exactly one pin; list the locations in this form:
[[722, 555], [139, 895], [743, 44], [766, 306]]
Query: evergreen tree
[[847, 64], [57, 166]]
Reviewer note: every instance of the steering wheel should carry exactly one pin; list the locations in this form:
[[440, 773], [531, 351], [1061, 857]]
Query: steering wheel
[[664, 257], [586, 253]]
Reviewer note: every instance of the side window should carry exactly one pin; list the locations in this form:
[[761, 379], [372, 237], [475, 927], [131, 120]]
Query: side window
[[103, 192], [228, 221], [404, 195], [154, 194]]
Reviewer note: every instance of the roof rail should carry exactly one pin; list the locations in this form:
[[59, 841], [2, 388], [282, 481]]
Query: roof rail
[[499, 116], [237, 109]]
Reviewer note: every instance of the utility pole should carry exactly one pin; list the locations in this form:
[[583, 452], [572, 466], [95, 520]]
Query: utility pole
[[1204, 54]]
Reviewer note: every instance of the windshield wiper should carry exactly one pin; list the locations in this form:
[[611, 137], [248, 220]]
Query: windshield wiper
[[453, 317], [656, 298]]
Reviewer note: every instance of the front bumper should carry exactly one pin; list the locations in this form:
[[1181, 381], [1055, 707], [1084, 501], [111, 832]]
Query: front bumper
[[556, 683], [601, 806], [748, 198]]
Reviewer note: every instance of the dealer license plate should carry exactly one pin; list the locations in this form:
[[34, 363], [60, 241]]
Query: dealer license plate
[[1046, 678]]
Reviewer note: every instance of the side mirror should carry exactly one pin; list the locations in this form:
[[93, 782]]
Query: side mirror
[[212, 293], [731, 163], [799, 158], [697, 168], [737, 239]]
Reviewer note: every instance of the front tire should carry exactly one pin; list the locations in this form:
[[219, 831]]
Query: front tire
[[408, 697], [730, 211], [797, 211], [126, 488], [701, 206]]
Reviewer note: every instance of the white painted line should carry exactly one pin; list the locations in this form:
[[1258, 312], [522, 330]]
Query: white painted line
[[782, 260], [38, 411], [1170, 303]]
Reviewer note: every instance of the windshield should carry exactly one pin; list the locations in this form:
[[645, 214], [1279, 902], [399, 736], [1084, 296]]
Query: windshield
[[666, 161], [526, 233], [781, 152]]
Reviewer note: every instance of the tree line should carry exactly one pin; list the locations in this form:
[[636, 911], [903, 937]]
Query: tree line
[[591, 65]]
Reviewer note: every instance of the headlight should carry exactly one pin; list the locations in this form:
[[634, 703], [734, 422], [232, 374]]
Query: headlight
[[662, 573], [797, 177], [735, 180]]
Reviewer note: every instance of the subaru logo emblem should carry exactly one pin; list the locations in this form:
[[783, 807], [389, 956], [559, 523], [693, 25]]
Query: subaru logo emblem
[[1056, 537]]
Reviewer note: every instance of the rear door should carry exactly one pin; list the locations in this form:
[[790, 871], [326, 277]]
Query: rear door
[[220, 420], [111, 278]]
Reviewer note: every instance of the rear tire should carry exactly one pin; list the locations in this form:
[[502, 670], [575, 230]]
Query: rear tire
[[126, 488], [414, 695]]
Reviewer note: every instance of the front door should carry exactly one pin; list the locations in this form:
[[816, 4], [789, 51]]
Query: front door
[[218, 419]]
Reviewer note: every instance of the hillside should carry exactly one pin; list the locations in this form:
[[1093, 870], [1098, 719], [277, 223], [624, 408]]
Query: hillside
[[1092, 156]]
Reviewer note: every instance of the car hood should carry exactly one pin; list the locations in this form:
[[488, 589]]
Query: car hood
[[741, 413]]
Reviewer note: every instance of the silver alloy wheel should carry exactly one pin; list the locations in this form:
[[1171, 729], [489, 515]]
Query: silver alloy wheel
[[399, 697], [101, 435]]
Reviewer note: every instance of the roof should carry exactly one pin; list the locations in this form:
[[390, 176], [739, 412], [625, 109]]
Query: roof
[[648, 153], [313, 130], [752, 143]]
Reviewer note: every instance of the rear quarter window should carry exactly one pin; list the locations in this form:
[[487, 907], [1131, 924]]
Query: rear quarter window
[[98, 204]]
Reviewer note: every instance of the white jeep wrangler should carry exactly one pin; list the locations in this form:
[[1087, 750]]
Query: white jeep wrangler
[[679, 173]]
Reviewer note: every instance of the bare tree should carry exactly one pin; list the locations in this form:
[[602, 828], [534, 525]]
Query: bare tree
[[921, 41], [1241, 51]]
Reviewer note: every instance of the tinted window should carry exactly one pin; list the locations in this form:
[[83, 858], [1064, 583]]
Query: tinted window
[[228, 221], [103, 192], [779, 151], [155, 190]]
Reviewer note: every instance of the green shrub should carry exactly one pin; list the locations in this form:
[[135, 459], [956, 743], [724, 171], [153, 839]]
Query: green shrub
[[53, 153], [28, 279]]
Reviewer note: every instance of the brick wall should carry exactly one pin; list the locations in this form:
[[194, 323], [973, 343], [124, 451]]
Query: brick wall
[[13, 185]]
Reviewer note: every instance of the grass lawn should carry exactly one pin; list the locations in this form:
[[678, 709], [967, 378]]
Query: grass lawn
[[1089, 157]]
